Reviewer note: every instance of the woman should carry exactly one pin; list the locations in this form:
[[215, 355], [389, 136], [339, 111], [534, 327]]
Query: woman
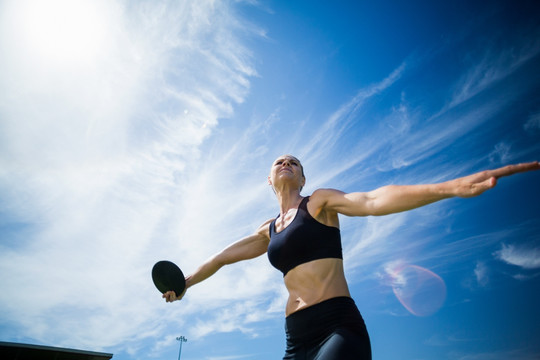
[[322, 321]]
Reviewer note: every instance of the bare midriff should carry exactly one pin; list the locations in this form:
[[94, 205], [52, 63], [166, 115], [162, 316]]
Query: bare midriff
[[313, 282]]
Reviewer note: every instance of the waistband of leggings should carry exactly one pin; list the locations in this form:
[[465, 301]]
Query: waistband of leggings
[[322, 317], [325, 304]]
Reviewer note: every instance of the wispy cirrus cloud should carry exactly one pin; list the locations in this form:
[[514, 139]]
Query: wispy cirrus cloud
[[334, 128], [532, 125], [108, 168], [96, 160], [494, 66]]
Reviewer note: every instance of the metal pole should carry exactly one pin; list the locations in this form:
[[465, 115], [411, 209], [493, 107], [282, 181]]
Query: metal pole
[[181, 339]]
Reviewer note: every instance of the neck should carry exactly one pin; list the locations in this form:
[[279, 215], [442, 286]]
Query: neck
[[288, 199]]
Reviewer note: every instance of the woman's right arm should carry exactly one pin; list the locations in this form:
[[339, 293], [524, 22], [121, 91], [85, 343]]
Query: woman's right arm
[[247, 248]]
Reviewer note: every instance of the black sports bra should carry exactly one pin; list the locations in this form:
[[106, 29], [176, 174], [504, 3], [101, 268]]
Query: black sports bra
[[303, 240]]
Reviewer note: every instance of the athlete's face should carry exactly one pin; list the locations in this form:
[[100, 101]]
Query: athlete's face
[[287, 168]]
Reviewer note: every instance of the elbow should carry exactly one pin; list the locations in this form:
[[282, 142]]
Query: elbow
[[226, 258]]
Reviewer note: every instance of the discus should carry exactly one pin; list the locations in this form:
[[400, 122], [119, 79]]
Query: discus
[[167, 276]]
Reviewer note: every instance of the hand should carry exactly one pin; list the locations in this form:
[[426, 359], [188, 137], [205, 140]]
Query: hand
[[476, 184], [170, 296]]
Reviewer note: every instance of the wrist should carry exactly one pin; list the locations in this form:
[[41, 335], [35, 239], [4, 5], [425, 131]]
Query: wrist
[[448, 189], [189, 281]]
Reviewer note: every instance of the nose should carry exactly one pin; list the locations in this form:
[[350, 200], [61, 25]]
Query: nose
[[286, 163]]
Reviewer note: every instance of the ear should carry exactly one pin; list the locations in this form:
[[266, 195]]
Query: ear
[[269, 181]]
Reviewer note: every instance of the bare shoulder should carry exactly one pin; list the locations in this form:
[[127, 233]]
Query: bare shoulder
[[320, 206], [335, 201], [321, 197]]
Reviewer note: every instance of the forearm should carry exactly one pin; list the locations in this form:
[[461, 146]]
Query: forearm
[[397, 198], [244, 249], [203, 272], [209, 268]]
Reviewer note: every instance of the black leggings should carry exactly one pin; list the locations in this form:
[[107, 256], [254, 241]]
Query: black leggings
[[330, 330]]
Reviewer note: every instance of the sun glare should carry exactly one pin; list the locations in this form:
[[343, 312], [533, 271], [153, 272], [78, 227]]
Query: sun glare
[[60, 32]]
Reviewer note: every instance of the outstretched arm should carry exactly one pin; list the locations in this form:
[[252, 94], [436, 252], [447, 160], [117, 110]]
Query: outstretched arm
[[397, 198], [247, 248]]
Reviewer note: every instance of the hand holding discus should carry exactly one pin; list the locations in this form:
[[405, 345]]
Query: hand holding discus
[[169, 280]]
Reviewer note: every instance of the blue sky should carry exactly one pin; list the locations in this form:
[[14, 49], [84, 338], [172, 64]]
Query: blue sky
[[135, 131]]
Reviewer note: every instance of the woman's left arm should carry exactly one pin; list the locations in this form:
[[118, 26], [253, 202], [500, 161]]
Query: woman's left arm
[[397, 198]]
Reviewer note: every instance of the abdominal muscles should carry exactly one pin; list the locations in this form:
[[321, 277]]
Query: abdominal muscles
[[315, 281]]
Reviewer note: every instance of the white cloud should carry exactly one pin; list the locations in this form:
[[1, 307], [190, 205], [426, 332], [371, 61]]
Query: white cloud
[[373, 239], [105, 164], [100, 161], [481, 273], [501, 154], [524, 257]]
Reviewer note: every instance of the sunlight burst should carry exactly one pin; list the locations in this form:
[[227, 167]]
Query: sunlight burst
[[61, 32]]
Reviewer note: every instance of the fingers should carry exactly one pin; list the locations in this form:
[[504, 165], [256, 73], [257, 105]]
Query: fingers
[[485, 180], [514, 169], [169, 296]]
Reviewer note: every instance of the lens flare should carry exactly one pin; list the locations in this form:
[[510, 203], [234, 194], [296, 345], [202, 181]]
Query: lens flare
[[419, 290]]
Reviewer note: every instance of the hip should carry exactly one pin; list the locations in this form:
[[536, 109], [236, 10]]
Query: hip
[[316, 321]]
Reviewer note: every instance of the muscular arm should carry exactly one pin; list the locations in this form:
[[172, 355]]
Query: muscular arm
[[397, 198], [247, 248]]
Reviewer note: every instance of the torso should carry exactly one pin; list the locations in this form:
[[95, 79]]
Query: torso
[[310, 283], [318, 280]]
